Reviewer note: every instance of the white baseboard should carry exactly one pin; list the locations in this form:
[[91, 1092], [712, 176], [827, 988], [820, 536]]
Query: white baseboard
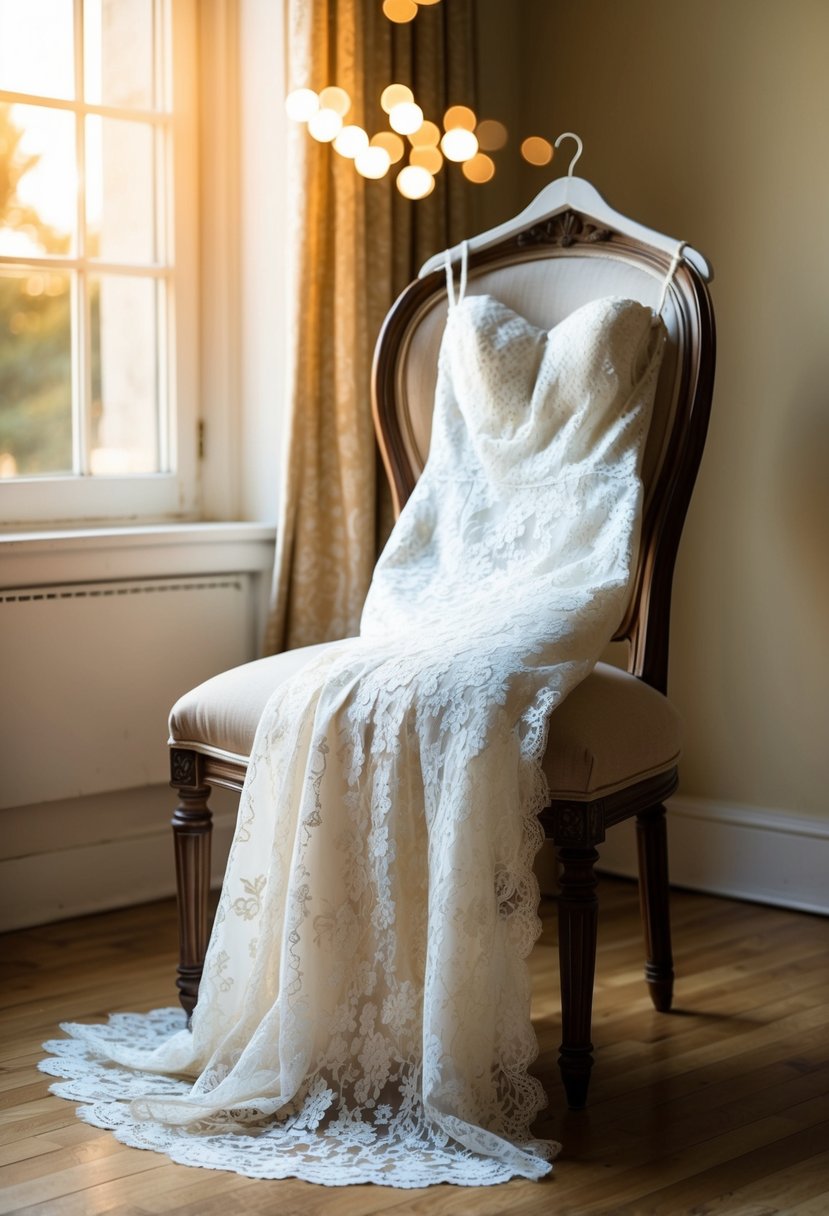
[[767, 856], [90, 854], [104, 851]]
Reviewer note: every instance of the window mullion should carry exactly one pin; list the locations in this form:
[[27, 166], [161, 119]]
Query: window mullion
[[81, 406]]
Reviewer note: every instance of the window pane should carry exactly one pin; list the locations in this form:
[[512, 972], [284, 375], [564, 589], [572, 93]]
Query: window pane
[[124, 326], [37, 181], [36, 51], [118, 52], [120, 190], [35, 374]]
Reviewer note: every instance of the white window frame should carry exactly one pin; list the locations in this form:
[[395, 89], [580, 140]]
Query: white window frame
[[64, 500]]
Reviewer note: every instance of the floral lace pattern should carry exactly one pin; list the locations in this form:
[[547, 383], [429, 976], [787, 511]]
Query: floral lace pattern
[[364, 1010]]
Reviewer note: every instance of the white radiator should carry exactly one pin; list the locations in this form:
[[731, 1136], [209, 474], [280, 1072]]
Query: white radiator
[[90, 671]]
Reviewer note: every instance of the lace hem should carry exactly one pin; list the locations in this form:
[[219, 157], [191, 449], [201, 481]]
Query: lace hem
[[356, 1154]]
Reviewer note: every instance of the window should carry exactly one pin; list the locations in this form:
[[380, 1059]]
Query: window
[[97, 259]]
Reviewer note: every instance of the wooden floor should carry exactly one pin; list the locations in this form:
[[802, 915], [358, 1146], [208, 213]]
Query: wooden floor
[[720, 1107]]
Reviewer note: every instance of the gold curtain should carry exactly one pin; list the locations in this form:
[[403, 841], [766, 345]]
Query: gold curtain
[[353, 246]]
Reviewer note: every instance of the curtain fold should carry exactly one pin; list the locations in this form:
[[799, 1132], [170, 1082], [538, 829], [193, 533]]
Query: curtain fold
[[353, 246]]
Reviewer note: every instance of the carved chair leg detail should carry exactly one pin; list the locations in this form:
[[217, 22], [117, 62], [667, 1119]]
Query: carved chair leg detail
[[652, 844], [577, 928], [192, 827]]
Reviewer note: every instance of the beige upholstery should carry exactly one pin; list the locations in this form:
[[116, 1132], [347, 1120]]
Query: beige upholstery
[[611, 731]]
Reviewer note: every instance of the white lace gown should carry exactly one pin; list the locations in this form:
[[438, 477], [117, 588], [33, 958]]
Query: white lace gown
[[364, 1014]]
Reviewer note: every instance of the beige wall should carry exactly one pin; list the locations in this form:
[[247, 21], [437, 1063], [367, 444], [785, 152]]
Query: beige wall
[[708, 120]]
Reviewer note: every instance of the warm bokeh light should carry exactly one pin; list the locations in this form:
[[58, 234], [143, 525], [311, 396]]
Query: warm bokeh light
[[459, 116], [459, 144], [415, 182], [395, 95], [537, 151], [325, 125], [426, 158], [426, 3], [400, 11], [373, 162], [465, 141], [491, 134], [301, 104], [392, 143], [406, 117], [350, 141], [336, 99], [479, 169], [426, 136]]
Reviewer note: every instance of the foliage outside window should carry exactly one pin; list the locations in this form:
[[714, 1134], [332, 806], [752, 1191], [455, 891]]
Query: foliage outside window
[[86, 240]]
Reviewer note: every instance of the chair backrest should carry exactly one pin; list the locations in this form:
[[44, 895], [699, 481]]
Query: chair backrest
[[544, 273]]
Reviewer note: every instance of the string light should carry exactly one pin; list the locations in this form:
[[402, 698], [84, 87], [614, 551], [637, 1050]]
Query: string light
[[463, 140], [406, 118], [459, 144], [350, 141], [334, 98], [459, 116], [480, 169], [395, 95], [325, 125], [492, 135], [426, 136], [400, 11], [301, 104], [537, 151], [427, 158], [415, 182], [373, 162], [392, 143]]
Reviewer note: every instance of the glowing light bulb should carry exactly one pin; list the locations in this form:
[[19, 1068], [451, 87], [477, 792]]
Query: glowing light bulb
[[400, 11], [350, 141], [459, 144], [373, 162], [426, 136], [392, 143], [492, 134], [406, 117], [537, 151], [301, 104], [459, 116], [479, 169], [335, 98], [427, 158], [393, 95], [415, 182], [325, 125]]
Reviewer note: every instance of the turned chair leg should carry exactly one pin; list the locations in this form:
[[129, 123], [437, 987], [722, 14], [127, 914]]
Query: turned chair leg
[[652, 842], [577, 928], [192, 827]]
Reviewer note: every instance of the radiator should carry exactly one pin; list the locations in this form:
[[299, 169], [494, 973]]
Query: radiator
[[89, 673]]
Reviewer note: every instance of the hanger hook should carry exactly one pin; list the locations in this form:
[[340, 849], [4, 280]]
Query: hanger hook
[[579, 149]]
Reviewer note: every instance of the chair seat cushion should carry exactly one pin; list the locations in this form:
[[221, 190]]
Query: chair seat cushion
[[610, 732]]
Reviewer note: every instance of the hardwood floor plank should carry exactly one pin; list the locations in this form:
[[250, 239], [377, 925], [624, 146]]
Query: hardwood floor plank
[[795, 1161], [721, 1104]]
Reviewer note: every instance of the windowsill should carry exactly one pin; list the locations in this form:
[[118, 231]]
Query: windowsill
[[96, 554]]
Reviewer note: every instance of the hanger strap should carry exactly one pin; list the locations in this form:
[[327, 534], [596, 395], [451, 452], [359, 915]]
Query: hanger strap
[[450, 276], [675, 260]]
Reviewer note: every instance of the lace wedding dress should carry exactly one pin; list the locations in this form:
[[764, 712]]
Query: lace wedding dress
[[364, 1014]]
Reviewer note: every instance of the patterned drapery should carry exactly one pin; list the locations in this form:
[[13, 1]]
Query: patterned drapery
[[352, 247]]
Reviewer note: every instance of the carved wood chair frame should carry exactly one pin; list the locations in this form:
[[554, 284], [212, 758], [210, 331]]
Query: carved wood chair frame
[[575, 827]]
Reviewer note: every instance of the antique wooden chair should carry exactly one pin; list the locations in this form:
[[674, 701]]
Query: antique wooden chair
[[614, 742]]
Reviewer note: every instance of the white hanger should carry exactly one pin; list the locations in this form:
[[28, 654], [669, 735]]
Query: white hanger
[[574, 194]]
